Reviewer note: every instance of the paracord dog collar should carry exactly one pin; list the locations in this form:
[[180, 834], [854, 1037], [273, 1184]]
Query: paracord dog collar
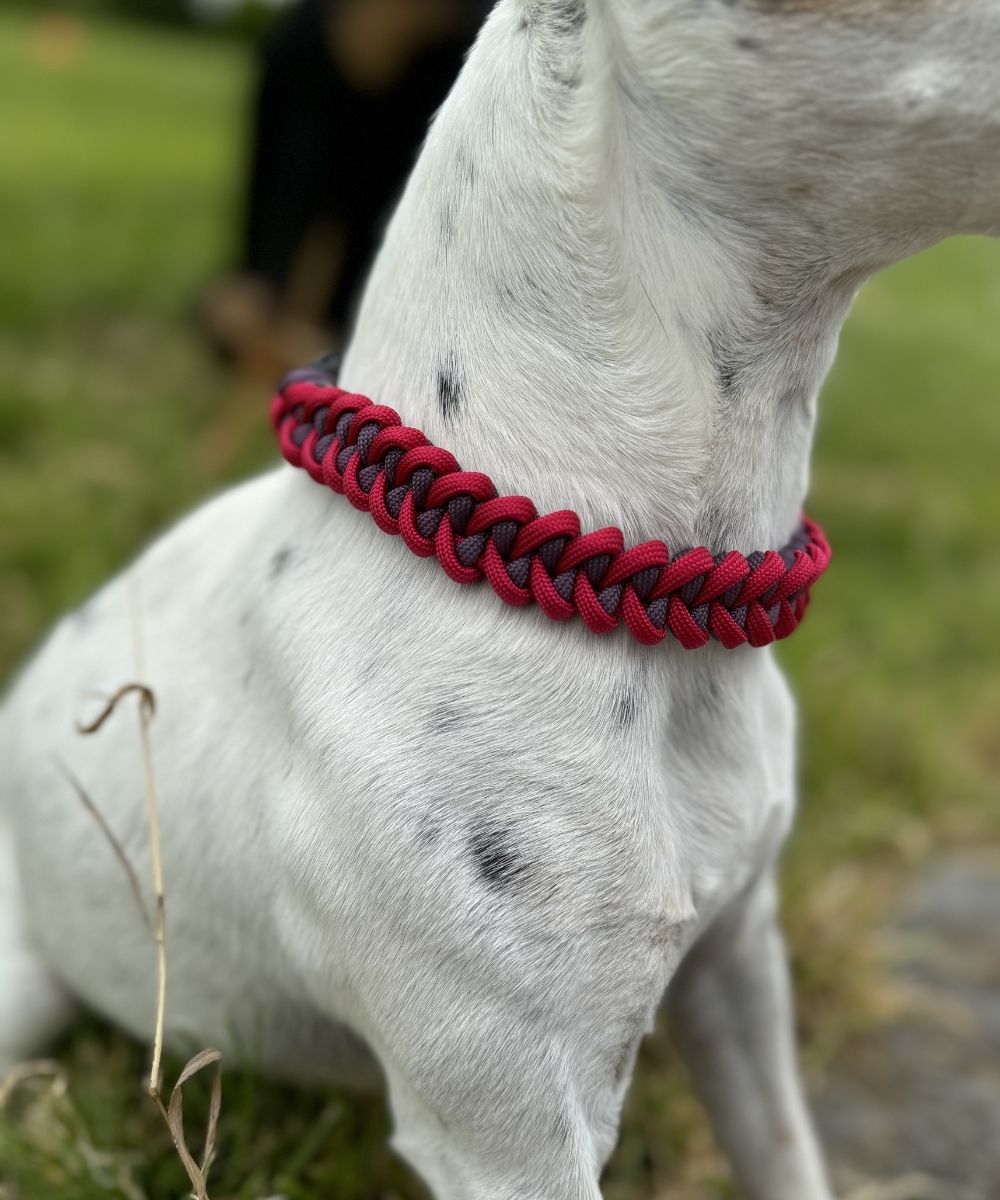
[[417, 490]]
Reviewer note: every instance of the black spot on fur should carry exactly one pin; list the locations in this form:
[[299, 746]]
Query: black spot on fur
[[450, 388], [626, 708], [247, 676], [518, 287], [569, 82], [717, 529], [445, 717], [428, 829], [498, 860], [559, 23], [453, 199], [465, 166], [767, 297], [280, 560], [727, 375], [562, 1127], [446, 223], [724, 363], [567, 16], [749, 43]]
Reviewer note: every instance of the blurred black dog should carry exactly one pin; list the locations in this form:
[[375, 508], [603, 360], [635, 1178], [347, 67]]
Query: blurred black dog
[[344, 94]]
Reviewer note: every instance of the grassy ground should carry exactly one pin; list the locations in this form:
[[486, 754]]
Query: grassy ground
[[116, 198]]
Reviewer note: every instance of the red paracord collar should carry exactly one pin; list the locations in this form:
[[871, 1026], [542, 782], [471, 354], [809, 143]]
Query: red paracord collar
[[410, 487]]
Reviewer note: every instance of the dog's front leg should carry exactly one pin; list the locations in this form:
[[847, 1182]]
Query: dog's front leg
[[487, 1155], [507, 1050], [731, 1006]]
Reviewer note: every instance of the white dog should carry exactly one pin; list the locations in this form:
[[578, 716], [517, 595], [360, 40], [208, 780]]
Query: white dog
[[406, 825]]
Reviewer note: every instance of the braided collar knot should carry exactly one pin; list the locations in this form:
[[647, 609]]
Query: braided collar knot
[[417, 490]]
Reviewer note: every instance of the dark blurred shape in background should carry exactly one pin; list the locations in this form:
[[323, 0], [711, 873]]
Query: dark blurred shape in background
[[343, 94], [345, 91]]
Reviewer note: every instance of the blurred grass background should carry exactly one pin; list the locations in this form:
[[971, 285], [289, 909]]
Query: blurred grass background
[[118, 169]]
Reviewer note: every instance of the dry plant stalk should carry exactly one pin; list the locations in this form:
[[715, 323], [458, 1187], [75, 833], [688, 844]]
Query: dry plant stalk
[[173, 1111], [914, 1186], [40, 1068]]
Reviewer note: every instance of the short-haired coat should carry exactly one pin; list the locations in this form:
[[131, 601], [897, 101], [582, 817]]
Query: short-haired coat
[[404, 825]]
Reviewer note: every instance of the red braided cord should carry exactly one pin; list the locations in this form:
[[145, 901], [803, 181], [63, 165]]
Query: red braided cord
[[412, 488]]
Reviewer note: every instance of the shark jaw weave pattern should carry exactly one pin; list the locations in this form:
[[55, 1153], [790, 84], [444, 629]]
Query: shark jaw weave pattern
[[412, 488]]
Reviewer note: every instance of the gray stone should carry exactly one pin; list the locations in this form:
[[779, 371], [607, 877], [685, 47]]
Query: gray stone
[[912, 1110]]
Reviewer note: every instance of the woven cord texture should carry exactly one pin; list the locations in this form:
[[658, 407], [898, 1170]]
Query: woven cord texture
[[418, 490]]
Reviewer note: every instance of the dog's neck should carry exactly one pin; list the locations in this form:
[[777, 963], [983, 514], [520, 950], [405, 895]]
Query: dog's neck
[[561, 303]]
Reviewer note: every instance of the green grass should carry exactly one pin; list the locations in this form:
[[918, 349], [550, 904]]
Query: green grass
[[118, 174], [116, 194]]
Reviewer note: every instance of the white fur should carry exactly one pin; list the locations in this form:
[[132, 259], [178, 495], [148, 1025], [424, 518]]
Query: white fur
[[632, 242]]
